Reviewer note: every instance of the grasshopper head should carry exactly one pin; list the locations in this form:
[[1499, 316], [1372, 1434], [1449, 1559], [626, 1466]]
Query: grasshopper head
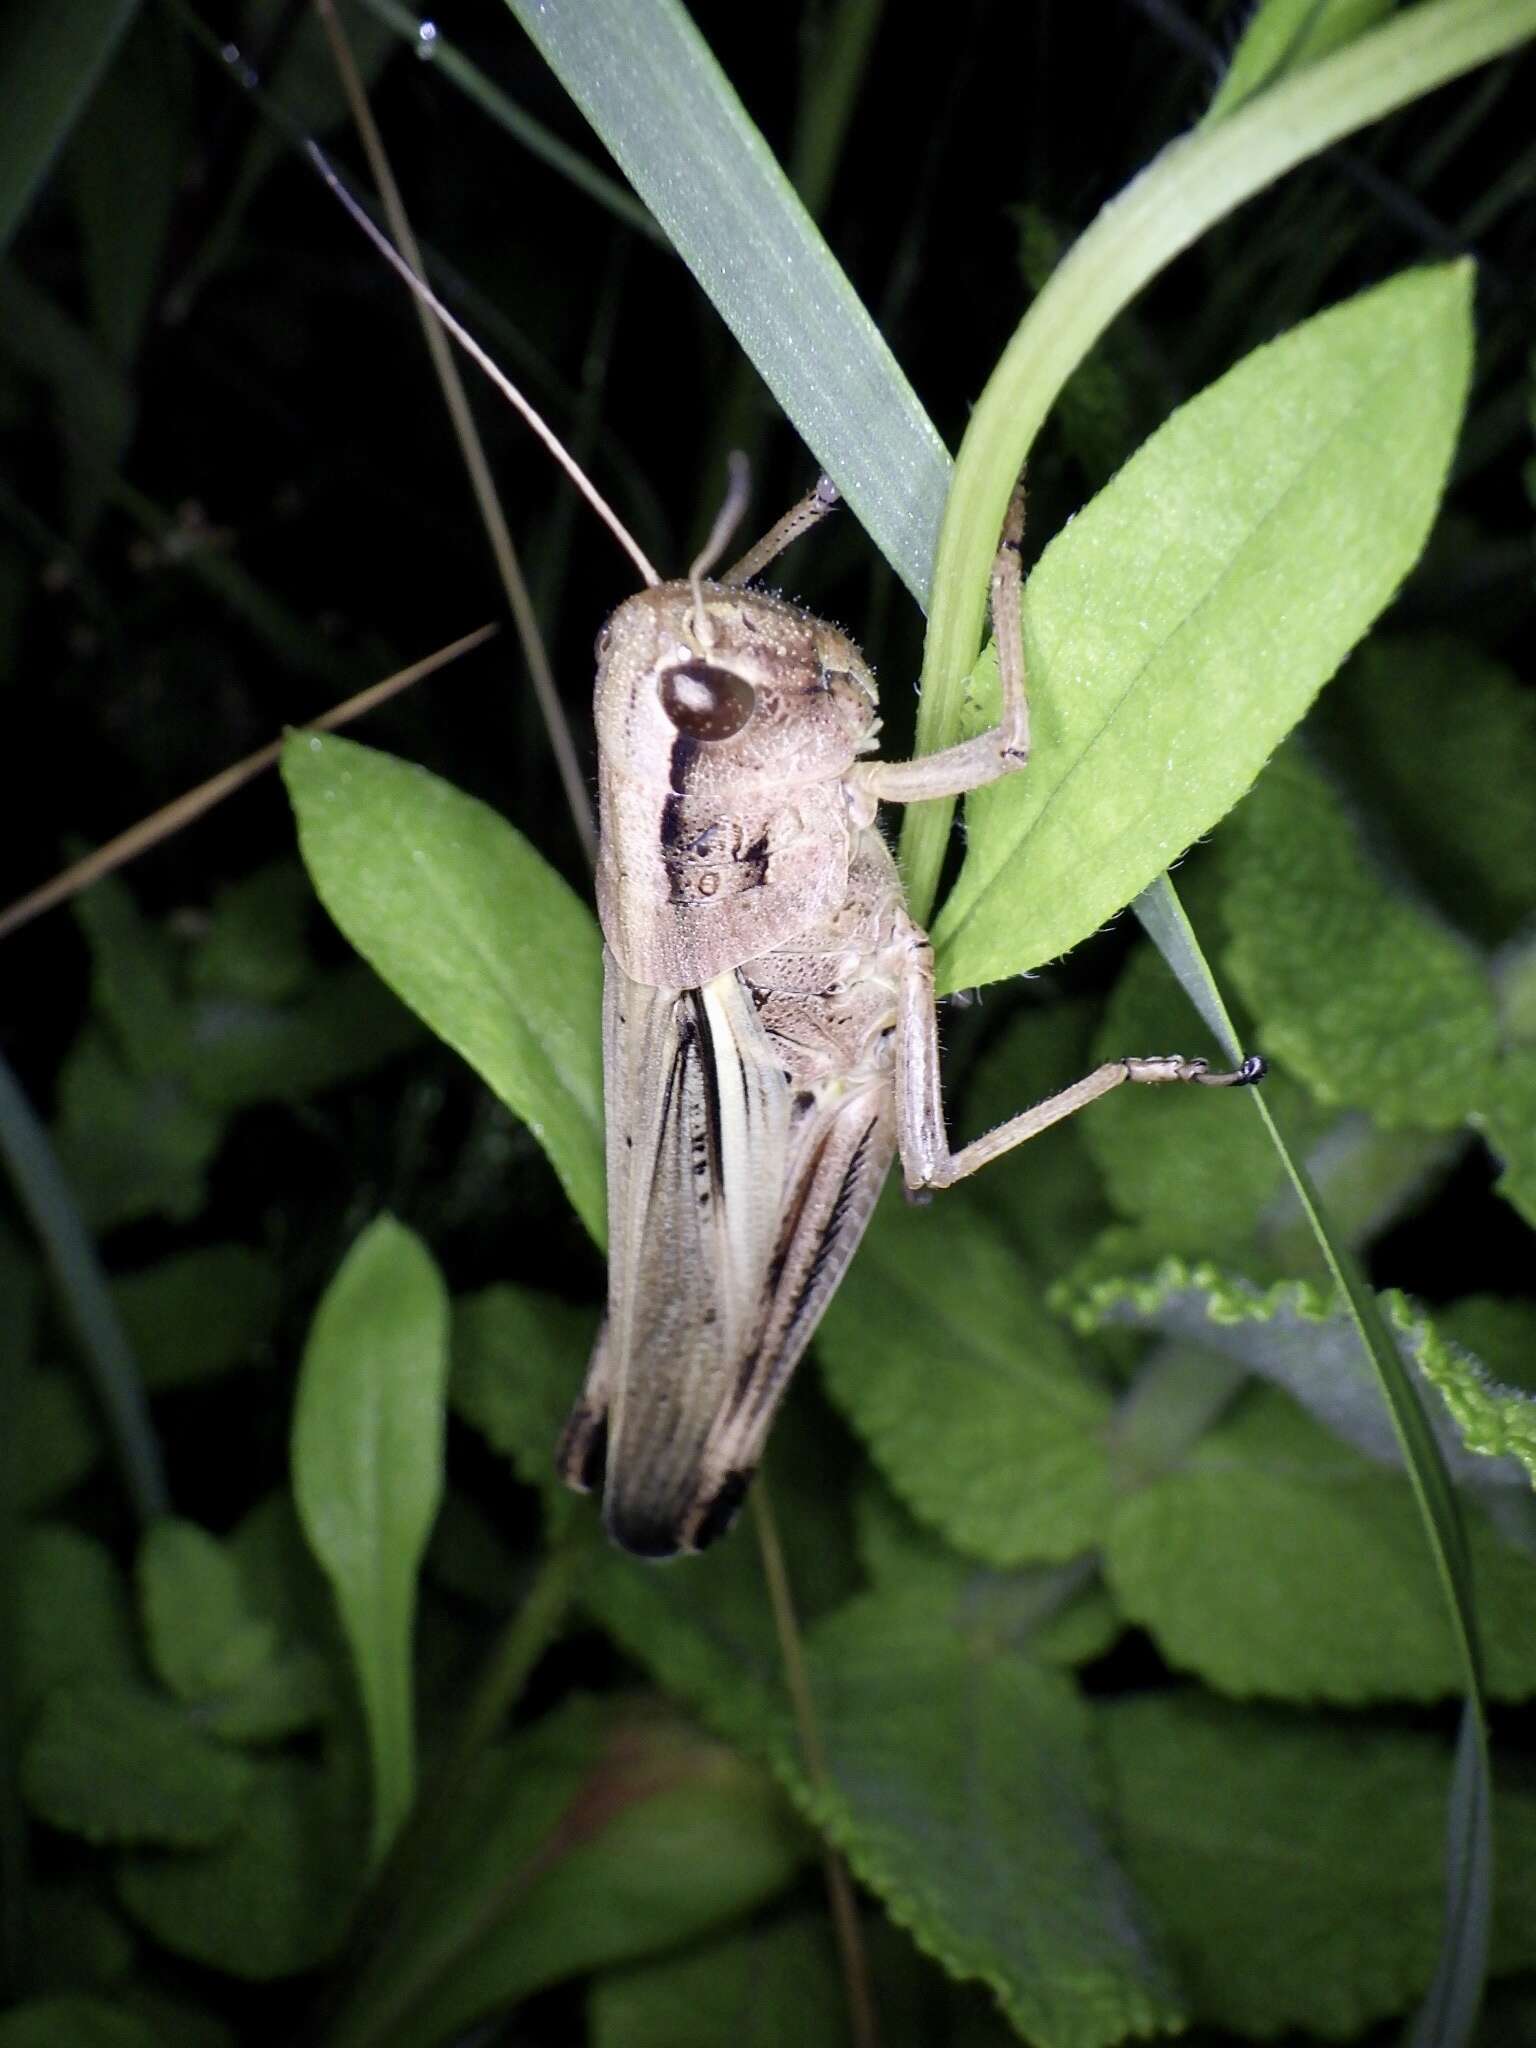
[[725, 726]]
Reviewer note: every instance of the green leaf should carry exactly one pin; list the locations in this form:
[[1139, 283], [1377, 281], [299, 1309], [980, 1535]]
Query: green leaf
[[1450, 740], [1191, 184], [74, 1941], [271, 1900], [114, 1762], [1508, 1122], [1296, 1864], [76, 1618], [1284, 36], [518, 1362], [345, 1024], [1059, 1614], [198, 1314], [964, 1790], [254, 946], [368, 1475], [74, 2020], [602, 1834], [971, 1396], [1494, 1419], [62, 1436], [132, 1145], [960, 1786], [203, 1639], [470, 928], [756, 1989], [1276, 1562], [1184, 621], [646, 81], [126, 163], [1299, 1338], [1373, 1004], [50, 58]]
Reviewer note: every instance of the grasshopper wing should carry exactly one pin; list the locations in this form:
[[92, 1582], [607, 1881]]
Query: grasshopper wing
[[698, 1117]]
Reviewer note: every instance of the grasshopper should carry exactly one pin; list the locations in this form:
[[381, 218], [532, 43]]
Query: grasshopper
[[770, 1030]]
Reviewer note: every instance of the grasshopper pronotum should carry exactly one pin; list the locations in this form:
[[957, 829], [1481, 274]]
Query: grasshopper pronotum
[[770, 1033]]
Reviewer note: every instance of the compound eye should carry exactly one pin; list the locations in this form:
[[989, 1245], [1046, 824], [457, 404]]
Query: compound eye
[[705, 702]]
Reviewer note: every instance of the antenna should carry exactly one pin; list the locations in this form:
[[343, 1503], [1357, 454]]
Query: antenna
[[498, 377]]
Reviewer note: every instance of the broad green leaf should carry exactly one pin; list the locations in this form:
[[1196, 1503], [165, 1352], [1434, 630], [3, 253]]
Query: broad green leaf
[[1491, 1341], [518, 1361], [50, 58], [964, 1790], [645, 80], [1283, 36], [470, 928], [1058, 1614], [254, 946], [1296, 1863], [73, 2019], [76, 1616], [198, 1314], [1449, 741], [74, 1940], [1184, 621], [61, 1433], [602, 1834], [972, 1398], [272, 1899], [1508, 1123], [1276, 1562], [133, 1145], [203, 1639], [343, 1025], [368, 1475], [961, 1784], [1299, 1338], [757, 1989], [111, 1761], [1373, 1004]]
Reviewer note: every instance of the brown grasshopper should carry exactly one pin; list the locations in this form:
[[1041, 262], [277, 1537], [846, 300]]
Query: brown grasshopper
[[770, 1033]]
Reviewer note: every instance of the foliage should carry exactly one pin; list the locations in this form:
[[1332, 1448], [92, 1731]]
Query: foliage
[[1130, 1668]]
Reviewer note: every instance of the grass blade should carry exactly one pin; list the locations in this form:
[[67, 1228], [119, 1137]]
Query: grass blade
[[642, 75], [50, 59], [84, 1297]]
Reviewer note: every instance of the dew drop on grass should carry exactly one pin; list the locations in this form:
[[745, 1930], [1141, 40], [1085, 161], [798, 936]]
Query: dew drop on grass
[[426, 41]]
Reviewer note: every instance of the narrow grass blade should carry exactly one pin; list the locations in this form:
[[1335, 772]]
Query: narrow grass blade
[[50, 58], [84, 1297], [1448, 2013], [642, 75]]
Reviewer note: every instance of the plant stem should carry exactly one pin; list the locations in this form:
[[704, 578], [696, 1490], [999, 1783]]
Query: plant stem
[[844, 1908]]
